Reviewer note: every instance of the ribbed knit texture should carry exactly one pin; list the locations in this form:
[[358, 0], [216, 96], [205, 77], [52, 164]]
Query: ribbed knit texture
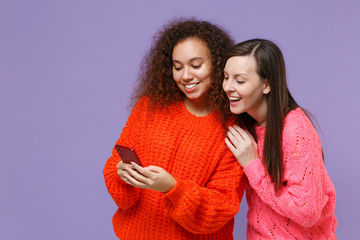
[[304, 206], [192, 149]]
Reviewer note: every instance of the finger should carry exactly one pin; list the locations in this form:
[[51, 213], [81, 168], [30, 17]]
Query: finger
[[234, 138], [244, 134], [142, 170], [136, 175], [230, 146], [121, 172], [119, 165], [122, 177], [127, 181], [155, 169], [238, 129], [250, 136], [236, 133], [134, 182]]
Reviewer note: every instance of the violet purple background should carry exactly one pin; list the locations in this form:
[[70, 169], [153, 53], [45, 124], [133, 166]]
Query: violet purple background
[[67, 69]]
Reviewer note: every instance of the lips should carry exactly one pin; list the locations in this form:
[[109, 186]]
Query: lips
[[190, 86], [234, 99]]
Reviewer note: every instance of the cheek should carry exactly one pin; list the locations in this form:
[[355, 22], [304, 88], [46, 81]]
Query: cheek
[[176, 76], [204, 74], [254, 96], [224, 86]]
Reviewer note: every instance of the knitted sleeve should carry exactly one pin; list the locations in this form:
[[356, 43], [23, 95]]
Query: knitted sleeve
[[124, 195], [203, 210], [301, 197]]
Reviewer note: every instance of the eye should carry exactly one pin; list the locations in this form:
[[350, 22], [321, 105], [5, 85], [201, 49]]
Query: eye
[[177, 68], [239, 81], [226, 77], [196, 66]]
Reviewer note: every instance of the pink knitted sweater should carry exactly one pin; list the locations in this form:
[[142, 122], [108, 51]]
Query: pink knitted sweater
[[304, 206]]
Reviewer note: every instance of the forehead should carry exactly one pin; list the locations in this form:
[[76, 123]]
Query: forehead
[[191, 48], [241, 64]]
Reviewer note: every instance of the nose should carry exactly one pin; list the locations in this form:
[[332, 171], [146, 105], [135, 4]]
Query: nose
[[227, 85], [187, 75]]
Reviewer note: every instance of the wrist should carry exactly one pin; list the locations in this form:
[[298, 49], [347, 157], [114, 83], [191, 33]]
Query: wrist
[[172, 184]]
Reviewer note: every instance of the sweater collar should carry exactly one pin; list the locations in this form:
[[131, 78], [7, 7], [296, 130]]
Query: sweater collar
[[190, 119]]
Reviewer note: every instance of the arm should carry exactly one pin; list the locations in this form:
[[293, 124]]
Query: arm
[[203, 210], [124, 195], [303, 197], [199, 210]]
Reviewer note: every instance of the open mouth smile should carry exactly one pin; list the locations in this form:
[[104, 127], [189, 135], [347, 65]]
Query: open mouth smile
[[234, 99], [190, 86]]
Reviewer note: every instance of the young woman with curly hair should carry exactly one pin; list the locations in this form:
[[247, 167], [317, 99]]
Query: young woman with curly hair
[[191, 185], [289, 192]]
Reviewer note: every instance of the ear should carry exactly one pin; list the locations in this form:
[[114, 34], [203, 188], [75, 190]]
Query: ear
[[266, 89]]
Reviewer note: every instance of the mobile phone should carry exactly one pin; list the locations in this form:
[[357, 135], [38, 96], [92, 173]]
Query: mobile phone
[[128, 155]]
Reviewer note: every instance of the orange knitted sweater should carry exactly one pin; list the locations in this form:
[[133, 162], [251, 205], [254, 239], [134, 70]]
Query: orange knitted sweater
[[192, 149]]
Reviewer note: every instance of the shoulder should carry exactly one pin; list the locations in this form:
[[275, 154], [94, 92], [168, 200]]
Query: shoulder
[[141, 109], [143, 101], [147, 108], [230, 121], [151, 104], [298, 125], [143, 105], [297, 118]]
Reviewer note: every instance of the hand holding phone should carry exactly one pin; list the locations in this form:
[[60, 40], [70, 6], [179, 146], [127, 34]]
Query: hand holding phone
[[128, 155]]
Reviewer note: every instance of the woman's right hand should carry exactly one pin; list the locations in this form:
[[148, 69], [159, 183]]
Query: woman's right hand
[[151, 177], [242, 145], [122, 170]]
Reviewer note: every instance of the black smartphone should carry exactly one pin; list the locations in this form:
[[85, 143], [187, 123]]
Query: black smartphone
[[128, 155]]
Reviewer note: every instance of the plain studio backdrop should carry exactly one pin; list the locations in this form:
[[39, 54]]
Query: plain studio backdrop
[[67, 69]]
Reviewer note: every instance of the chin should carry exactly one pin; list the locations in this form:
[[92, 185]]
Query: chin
[[236, 111], [193, 96]]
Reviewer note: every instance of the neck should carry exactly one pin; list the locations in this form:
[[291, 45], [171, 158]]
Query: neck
[[262, 123], [197, 107], [260, 114], [260, 118]]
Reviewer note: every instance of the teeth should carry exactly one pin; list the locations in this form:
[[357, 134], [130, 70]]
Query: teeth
[[234, 98], [191, 85]]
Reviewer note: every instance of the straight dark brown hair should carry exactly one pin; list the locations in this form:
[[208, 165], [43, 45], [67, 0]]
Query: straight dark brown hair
[[271, 67]]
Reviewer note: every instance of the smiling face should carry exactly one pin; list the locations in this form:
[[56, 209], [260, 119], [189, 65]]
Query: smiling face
[[245, 89], [192, 68]]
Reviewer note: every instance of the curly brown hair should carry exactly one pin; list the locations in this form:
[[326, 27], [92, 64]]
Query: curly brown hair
[[155, 78]]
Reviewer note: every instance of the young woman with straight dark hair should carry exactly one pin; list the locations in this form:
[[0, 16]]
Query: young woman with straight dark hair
[[289, 192]]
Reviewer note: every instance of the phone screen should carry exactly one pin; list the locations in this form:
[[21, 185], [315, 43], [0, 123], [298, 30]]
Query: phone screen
[[128, 155]]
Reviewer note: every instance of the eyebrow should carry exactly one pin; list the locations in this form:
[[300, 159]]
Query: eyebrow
[[193, 59], [237, 74]]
